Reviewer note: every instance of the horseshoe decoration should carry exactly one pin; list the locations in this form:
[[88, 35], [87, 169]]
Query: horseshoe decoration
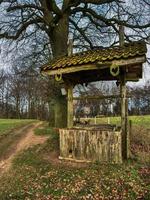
[[58, 77], [114, 70]]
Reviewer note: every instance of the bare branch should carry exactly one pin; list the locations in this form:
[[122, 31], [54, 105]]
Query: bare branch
[[24, 6], [99, 2], [111, 21], [147, 2], [20, 30], [52, 6], [82, 33]]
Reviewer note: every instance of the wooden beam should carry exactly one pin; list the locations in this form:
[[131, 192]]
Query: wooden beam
[[98, 75], [96, 97], [70, 106]]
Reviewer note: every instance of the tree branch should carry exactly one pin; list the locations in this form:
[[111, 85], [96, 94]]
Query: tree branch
[[98, 25], [20, 30], [24, 6], [99, 2], [82, 33], [52, 6], [111, 21], [148, 3]]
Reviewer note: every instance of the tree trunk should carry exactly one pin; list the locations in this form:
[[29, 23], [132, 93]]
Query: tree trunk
[[51, 113], [58, 39], [60, 112], [18, 108]]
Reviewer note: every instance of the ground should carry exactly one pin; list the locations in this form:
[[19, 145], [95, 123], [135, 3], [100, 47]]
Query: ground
[[25, 142], [31, 169]]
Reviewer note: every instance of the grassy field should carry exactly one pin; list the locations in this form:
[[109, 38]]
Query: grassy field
[[10, 124], [143, 121], [38, 175]]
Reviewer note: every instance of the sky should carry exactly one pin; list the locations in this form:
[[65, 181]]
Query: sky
[[146, 72]]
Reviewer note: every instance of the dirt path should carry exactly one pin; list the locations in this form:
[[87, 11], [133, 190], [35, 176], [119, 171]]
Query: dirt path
[[28, 140]]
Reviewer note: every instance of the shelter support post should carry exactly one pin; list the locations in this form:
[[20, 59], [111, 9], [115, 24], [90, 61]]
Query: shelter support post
[[70, 106], [127, 130], [124, 120], [124, 105]]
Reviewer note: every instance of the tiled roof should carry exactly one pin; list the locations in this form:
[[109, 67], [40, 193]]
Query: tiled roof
[[129, 50]]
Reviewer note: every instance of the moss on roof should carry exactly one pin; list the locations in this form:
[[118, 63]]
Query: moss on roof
[[129, 50]]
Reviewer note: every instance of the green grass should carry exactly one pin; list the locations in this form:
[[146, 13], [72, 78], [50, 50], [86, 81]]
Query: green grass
[[143, 121], [53, 141], [44, 130], [136, 120], [10, 134], [35, 175], [10, 124]]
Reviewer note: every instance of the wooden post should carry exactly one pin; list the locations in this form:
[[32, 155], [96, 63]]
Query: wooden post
[[70, 92], [127, 129], [123, 117], [95, 121], [121, 35], [70, 47], [108, 120], [70, 106], [130, 129], [60, 112], [124, 108], [129, 137]]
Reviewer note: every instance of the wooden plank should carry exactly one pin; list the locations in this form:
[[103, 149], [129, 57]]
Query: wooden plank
[[89, 76], [70, 106], [132, 74], [98, 97], [84, 145], [96, 66]]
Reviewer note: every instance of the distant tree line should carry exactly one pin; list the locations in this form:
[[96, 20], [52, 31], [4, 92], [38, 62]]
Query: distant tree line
[[25, 93], [46, 26], [139, 103]]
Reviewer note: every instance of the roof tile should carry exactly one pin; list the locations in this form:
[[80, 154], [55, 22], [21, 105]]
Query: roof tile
[[99, 55]]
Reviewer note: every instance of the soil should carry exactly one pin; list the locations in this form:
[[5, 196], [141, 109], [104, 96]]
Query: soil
[[27, 140]]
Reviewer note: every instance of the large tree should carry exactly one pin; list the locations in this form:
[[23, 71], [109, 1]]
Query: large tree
[[51, 22]]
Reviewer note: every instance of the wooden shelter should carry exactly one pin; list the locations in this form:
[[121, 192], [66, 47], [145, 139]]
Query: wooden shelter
[[121, 63]]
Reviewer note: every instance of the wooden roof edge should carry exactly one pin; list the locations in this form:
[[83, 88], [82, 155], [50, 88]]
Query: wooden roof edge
[[96, 66], [138, 49]]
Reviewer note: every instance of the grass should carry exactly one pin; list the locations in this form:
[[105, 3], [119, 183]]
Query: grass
[[35, 176], [7, 125], [53, 142], [10, 134], [143, 121], [45, 130]]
